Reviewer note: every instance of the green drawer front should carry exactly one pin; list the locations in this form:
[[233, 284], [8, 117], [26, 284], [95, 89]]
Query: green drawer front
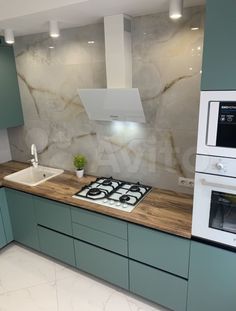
[[158, 286], [160, 250], [100, 222], [53, 215], [101, 239], [57, 245], [103, 264]]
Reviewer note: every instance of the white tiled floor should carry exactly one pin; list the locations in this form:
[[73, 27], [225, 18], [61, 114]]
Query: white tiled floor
[[33, 282]]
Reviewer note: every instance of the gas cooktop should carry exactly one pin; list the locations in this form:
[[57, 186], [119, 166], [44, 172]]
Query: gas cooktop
[[113, 193]]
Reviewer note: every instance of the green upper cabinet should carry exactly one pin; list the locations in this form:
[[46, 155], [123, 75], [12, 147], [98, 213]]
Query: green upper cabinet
[[212, 279], [10, 105], [219, 56]]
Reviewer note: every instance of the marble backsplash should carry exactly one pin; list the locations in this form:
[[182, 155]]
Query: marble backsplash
[[167, 59]]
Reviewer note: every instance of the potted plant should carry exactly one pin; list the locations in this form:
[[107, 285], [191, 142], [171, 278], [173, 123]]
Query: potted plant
[[79, 163]]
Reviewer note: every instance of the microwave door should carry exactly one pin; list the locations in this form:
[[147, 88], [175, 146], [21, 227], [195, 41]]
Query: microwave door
[[226, 131]]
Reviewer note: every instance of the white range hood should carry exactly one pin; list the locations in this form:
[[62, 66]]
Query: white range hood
[[119, 101]]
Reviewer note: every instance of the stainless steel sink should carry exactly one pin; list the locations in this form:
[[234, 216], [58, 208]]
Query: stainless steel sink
[[33, 176]]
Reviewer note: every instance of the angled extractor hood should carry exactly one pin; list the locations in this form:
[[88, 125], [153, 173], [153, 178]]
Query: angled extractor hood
[[119, 101]]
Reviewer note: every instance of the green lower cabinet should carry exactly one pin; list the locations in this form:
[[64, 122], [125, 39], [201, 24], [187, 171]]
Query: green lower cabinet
[[22, 212], [57, 245], [212, 279], [158, 286], [3, 240], [160, 250], [101, 263], [54, 215], [101, 239], [6, 235]]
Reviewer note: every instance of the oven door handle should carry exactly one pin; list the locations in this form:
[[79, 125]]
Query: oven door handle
[[218, 185]]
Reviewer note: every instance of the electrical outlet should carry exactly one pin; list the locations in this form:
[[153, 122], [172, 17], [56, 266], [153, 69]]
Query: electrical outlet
[[186, 182]]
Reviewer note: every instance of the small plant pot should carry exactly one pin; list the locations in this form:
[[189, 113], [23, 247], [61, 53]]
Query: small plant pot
[[79, 173]]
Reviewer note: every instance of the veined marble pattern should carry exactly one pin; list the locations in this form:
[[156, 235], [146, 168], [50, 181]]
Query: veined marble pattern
[[166, 68], [32, 282]]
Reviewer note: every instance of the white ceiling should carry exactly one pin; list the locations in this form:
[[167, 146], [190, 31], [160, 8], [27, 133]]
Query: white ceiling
[[30, 16]]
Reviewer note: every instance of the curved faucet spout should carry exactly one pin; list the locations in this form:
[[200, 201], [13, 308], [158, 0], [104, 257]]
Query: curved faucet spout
[[34, 153]]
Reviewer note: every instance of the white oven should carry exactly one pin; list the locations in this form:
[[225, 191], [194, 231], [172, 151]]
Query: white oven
[[217, 124], [214, 213]]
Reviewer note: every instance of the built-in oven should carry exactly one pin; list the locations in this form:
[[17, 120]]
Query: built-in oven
[[214, 213], [217, 124]]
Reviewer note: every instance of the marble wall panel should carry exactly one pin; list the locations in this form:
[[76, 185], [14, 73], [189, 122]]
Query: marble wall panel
[[167, 70]]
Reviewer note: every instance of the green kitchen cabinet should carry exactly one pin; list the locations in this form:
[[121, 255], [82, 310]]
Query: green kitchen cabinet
[[53, 215], [160, 250], [100, 230], [219, 61], [10, 105], [6, 231], [3, 240], [101, 263], [158, 286], [57, 245], [212, 279], [22, 212]]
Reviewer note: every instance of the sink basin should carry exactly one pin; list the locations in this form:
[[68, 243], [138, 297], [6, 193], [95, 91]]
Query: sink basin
[[33, 176]]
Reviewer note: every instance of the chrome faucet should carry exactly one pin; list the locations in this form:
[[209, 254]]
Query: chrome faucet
[[35, 160]]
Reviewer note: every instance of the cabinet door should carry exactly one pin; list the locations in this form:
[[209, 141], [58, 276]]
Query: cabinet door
[[101, 263], [10, 105], [3, 240], [219, 61], [160, 250], [57, 245], [21, 207], [212, 279], [54, 215], [158, 286], [5, 216]]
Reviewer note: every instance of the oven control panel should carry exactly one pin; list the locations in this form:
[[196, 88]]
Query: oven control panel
[[216, 165]]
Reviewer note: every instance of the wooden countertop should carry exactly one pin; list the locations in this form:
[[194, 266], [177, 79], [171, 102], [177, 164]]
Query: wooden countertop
[[167, 211]]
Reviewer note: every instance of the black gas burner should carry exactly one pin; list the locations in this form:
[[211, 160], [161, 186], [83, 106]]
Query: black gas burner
[[124, 198], [94, 191], [134, 188], [107, 182]]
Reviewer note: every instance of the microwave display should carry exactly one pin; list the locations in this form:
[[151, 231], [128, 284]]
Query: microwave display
[[226, 132], [223, 211]]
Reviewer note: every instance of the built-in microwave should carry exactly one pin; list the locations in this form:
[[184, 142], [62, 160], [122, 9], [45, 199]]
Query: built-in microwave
[[217, 124]]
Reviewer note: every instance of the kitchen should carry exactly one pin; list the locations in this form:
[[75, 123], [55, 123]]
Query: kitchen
[[150, 250]]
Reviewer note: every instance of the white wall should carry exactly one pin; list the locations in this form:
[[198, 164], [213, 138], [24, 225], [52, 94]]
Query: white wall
[[5, 153]]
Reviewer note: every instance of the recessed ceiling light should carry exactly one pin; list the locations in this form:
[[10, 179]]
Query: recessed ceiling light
[[91, 42], [176, 9], [51, 47], [9, 36], [194, 28], [54, 29]]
